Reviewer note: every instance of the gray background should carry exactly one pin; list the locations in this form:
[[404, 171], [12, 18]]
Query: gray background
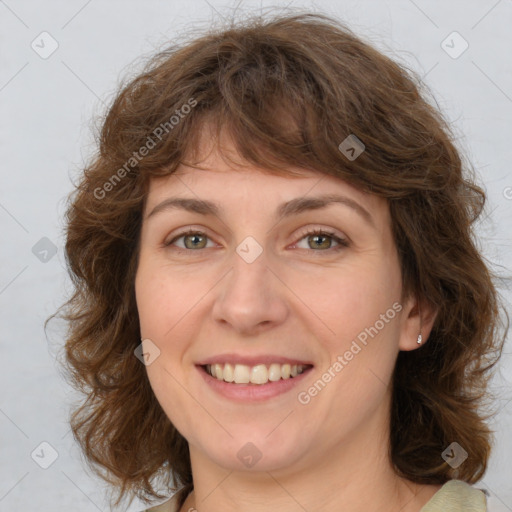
[[46, 111]]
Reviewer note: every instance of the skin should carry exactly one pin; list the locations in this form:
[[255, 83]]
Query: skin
[[300, 298]]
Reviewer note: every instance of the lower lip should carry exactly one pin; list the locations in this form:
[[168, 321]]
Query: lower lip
[[251, 392]]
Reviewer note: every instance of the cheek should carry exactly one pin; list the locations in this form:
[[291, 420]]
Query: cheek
[[361, 311], [162, 300], [160, 310], [151, 302], [346, 301]]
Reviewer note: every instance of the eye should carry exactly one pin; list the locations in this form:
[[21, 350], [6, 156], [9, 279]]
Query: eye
[[192, 240], [322, 239]]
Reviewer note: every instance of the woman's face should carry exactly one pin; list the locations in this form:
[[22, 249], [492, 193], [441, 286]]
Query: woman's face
[[232, 273]]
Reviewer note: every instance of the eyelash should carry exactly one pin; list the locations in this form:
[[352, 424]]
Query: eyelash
[[342, 242]]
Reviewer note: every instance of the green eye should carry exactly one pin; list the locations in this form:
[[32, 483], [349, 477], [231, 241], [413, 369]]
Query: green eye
[[191, 239], [197, 241], [323, 240]]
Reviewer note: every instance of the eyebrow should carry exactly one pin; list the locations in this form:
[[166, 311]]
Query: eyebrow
[[295, 206]]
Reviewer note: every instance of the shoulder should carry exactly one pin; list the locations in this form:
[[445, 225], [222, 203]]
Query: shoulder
[[455, 496], [170, 505]]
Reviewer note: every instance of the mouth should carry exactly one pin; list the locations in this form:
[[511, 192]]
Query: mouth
[[255, 383], [258, 374]]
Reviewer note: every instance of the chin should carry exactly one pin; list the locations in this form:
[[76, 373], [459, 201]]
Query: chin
[[257, 452]]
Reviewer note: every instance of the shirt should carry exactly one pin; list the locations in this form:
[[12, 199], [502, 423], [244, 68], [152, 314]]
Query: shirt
[[454, 496]]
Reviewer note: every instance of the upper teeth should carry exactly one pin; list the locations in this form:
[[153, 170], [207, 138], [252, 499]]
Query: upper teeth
[[259, 374]]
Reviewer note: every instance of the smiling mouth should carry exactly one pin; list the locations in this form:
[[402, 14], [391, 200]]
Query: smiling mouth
[[258, 374]]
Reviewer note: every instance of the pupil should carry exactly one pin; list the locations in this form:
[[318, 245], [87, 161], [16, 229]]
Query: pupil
[[318, 239], [195, 240]]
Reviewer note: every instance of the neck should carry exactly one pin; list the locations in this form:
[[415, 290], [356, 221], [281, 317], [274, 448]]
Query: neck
[[355, 473]]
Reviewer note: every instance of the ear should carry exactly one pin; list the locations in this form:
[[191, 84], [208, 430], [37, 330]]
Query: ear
[[417, 317]]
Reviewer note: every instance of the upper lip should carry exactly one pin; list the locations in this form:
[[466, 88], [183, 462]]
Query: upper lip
[[252, 360]]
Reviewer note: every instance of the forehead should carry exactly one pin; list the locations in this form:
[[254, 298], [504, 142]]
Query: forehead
[[214, 170], [225, 183]]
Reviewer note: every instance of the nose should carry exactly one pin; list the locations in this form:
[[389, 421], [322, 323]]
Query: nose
[[251, 297]]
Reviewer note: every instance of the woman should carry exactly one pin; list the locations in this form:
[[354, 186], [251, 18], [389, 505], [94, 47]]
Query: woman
[[279, 303]]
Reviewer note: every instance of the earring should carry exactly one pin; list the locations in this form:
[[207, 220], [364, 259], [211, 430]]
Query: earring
[[419, 340]]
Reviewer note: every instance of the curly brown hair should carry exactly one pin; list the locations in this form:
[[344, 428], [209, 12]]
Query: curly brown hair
[[289, 89]]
